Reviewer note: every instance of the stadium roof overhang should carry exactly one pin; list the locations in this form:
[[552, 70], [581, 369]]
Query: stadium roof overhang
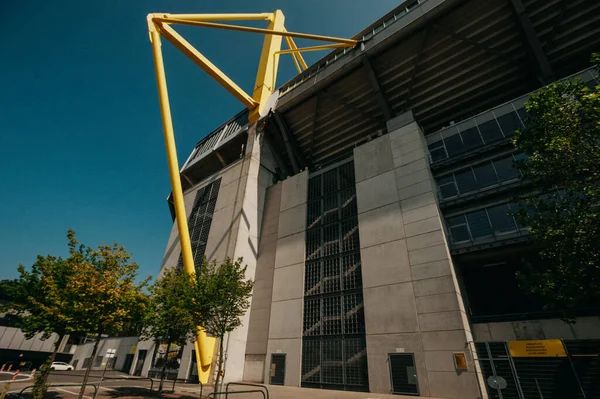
[[445, 60]]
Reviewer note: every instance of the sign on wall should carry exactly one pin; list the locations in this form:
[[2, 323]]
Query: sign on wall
[[541, 348]]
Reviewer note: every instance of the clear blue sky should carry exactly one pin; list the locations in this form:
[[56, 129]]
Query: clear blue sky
[[81, 143]]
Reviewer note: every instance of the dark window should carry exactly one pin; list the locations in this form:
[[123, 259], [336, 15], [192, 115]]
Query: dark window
[[465, 181], [479, 224], [471, 138], [200, 220], [509, 123], [447, 187], [523, 115], [506, 169], [485, 175], [454, 145], [459, 231], [437, 151], [490, 131], [502, 222]]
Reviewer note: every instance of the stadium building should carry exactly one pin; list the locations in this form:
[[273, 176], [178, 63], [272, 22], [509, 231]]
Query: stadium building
[[372, 207]]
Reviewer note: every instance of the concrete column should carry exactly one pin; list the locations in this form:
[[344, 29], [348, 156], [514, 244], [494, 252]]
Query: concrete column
[[285, 328], [260, 312], [412, 300]]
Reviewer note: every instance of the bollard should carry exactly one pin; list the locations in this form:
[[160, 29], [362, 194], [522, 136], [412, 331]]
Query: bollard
[[2, 369], [15, 376], [9, 367], [32, 373]]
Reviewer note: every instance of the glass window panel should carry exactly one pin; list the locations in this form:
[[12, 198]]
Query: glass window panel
[[454, 145], [471, 138], [485, 175], [479, 224], [490, 131], [506, 169], [502, 222], [465, 181], [438, 154], [460, 234], [447, 187], [522, 114], [509, 123]]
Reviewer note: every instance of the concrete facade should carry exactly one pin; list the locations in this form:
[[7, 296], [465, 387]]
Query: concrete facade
[[122, 345], [411, 294], [285, 327]]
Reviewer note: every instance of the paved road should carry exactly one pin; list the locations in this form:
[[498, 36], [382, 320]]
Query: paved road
[[119, 385]]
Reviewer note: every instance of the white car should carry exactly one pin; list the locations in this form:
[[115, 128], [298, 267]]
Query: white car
[[61, 366]]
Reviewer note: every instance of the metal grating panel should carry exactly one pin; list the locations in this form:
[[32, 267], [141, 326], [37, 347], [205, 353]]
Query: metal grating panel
[[277, 369], [334, 347], [200, 220]]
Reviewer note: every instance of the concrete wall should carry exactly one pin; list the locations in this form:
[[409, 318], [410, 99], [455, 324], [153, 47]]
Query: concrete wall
[[583, 328], [285, 328], [123, 346], [412, 300], [260, 313], [13, 338], [234, 233]]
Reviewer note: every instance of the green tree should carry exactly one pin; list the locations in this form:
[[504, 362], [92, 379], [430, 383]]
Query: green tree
[[224, 297], [168, 318], [40, 302], [562, 140], [108, 297]]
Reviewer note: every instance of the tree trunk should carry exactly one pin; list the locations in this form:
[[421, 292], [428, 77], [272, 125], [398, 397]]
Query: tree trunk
[[42, 379], [164, 368], [89, 367], [219, 365]]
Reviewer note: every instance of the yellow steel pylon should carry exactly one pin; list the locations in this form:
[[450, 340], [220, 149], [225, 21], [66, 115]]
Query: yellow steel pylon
[[160, 25]]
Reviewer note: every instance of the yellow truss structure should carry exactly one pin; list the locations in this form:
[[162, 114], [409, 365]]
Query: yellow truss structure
[[159, 25]]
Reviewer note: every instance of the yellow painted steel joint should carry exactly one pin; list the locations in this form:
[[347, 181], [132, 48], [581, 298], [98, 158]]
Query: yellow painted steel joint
[[159, 25]]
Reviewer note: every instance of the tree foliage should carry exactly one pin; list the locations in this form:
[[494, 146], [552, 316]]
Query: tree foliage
[[224, 297], [562, 141], [169, 318]]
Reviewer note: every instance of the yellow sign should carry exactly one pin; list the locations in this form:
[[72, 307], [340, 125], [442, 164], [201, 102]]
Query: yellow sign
[[133, 349], [543, 348]]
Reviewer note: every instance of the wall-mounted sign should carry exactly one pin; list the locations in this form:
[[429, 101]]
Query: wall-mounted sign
[[542, 348]]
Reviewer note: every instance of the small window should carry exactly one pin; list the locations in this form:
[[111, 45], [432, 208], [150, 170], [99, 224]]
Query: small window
[[506, 169], [465, 181], [459, 231], [437, 151], [509, 123], [490, 131], [485, 175], [479, 224], [502, 221], [454, 145], [447, 187], [471, 138]]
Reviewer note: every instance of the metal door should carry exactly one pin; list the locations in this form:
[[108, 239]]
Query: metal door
[[277, 369], [403, 374]]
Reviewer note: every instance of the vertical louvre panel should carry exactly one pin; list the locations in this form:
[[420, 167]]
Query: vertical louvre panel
[[334, 347], [200, 220]]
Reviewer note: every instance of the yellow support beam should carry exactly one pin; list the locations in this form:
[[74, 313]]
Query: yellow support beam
[[313, 48], [267, 68], [266, 16], [186, 48], [204, 344], [349, 42], [292, 45]]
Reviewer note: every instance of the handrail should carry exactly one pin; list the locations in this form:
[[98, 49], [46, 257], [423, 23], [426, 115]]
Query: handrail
[[190, 381], [61, 385], [212, 394], [248, 385]]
